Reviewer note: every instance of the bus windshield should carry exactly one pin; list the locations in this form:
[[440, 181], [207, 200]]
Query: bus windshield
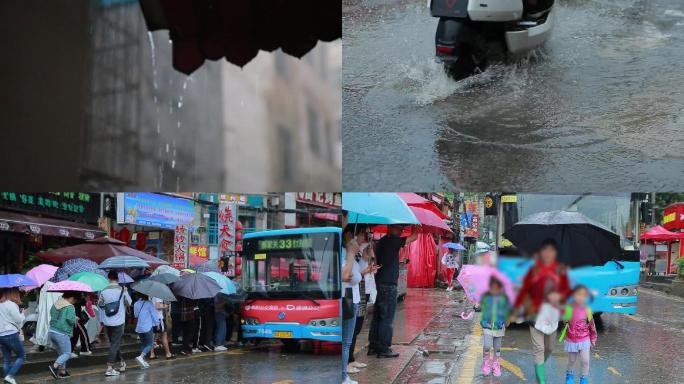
[[291, 266], [612, 211]]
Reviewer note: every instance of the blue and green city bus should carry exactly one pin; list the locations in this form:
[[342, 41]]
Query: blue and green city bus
[[292, 281]]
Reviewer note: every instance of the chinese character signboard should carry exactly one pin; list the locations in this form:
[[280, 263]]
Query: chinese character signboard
[[227, 216], [68, 205], [325, 199], [181, 240], [199, 254], [673, 217], [154, 210]]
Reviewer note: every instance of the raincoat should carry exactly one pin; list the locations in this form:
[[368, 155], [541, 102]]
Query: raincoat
[[581, 326], [495, 312], [45, 302]]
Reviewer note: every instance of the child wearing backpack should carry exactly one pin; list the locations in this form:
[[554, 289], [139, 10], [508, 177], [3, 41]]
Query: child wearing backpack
[[579, 334], [495, 309]]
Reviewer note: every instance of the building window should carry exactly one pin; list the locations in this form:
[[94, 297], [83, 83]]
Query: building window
[[314, 133], [287, 159]]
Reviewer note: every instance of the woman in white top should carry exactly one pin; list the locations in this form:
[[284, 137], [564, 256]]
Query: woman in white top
[[351, 276], [11, 321], [450, 262]]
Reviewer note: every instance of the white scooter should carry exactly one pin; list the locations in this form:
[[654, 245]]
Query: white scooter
[[472, 32]]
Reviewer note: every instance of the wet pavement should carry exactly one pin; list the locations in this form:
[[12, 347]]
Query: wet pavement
[[645, 348], [258, 365], [600, 103]]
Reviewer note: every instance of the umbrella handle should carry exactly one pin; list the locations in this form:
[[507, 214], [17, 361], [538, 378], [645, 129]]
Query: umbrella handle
[[468, 316]]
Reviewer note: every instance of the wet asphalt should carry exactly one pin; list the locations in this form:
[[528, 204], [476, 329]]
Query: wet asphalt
[[437, 346], [258, 365], [599, 107]]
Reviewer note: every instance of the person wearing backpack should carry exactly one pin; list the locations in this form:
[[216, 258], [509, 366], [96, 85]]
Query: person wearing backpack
[[112, 302], [579, 334], [62, 323]]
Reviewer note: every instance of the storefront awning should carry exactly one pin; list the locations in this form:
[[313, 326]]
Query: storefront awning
[[238, 29], [16, 222]]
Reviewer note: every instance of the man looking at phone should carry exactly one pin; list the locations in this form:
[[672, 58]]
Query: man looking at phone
[[386, 278]]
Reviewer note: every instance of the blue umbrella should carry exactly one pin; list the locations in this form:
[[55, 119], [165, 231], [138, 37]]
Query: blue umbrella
[[227, 285], [377, 208], [209, 266], [15, 280], [123, 262], [454, 246], [74, 266]]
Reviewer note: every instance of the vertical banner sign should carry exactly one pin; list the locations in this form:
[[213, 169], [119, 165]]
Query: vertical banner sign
[[227, 216], [180, 246]]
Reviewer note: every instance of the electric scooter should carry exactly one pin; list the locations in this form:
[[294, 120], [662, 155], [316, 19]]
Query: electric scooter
[[471, 33]]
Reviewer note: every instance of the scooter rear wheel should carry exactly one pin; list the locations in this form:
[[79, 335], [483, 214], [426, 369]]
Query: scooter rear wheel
[[469, 63]]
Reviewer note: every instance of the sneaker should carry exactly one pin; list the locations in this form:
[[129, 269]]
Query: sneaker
[[569, 377], [486, 366], [204, 348], [388, 354], [112, 372], [9, 379], [122, 368], [143, 364], [351, 369], [53, 370], [87, 353], [496, 368], [583, 380], [74, 355], [196, 350], [220, 348], [357, 364], [348, 380]]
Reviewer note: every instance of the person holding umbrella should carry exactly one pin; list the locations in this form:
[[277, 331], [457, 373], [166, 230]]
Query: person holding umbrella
[[11, 321], [148, 320], [546, 282], [450, 261], [387, 255], [62, 323], [113, 300]]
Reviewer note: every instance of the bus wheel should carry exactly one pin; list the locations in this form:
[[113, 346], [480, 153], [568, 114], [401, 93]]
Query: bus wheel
[[291, 345]]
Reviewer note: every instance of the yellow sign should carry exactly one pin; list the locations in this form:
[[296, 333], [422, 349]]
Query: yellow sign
[[260, 256], [509, 198], [669, 217], [489, 202], [283, 334]]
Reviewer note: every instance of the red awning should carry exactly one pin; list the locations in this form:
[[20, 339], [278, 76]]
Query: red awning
[[658, 233], [17, 222], [98, 250], [238, 29], [327, 216]]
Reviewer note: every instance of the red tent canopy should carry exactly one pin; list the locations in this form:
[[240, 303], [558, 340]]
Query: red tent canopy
[[98, 250], [658, 233], [238, 29], [415, 200]]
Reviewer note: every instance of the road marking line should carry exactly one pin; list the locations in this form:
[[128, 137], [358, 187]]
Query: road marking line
[[635, 318], [614, 371], [597, 356], [467, 374], [514, 369], [510, 348], [284, 382]]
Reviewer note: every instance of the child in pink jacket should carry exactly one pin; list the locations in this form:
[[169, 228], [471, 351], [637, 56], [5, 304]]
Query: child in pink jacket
[[579, 334]]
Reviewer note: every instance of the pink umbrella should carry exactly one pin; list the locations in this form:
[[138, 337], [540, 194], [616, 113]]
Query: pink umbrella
[[68, 285], [40, 274], [475, 281]]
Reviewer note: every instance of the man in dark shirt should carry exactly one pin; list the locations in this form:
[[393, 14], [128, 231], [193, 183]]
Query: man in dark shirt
[[387, 256]]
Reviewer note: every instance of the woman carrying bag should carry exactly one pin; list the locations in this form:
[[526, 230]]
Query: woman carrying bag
[[351, 276], [545, 288]]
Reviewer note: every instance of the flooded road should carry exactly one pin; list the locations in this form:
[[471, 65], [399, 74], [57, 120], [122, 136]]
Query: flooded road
[[601, 106]]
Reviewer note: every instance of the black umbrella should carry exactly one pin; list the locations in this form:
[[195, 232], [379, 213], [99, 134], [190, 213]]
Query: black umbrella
[[196, 286], [153, 288], [581, 241]]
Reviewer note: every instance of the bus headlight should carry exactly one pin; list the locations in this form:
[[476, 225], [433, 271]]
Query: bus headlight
[[250, 321], [329, 322], [623, 291]]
